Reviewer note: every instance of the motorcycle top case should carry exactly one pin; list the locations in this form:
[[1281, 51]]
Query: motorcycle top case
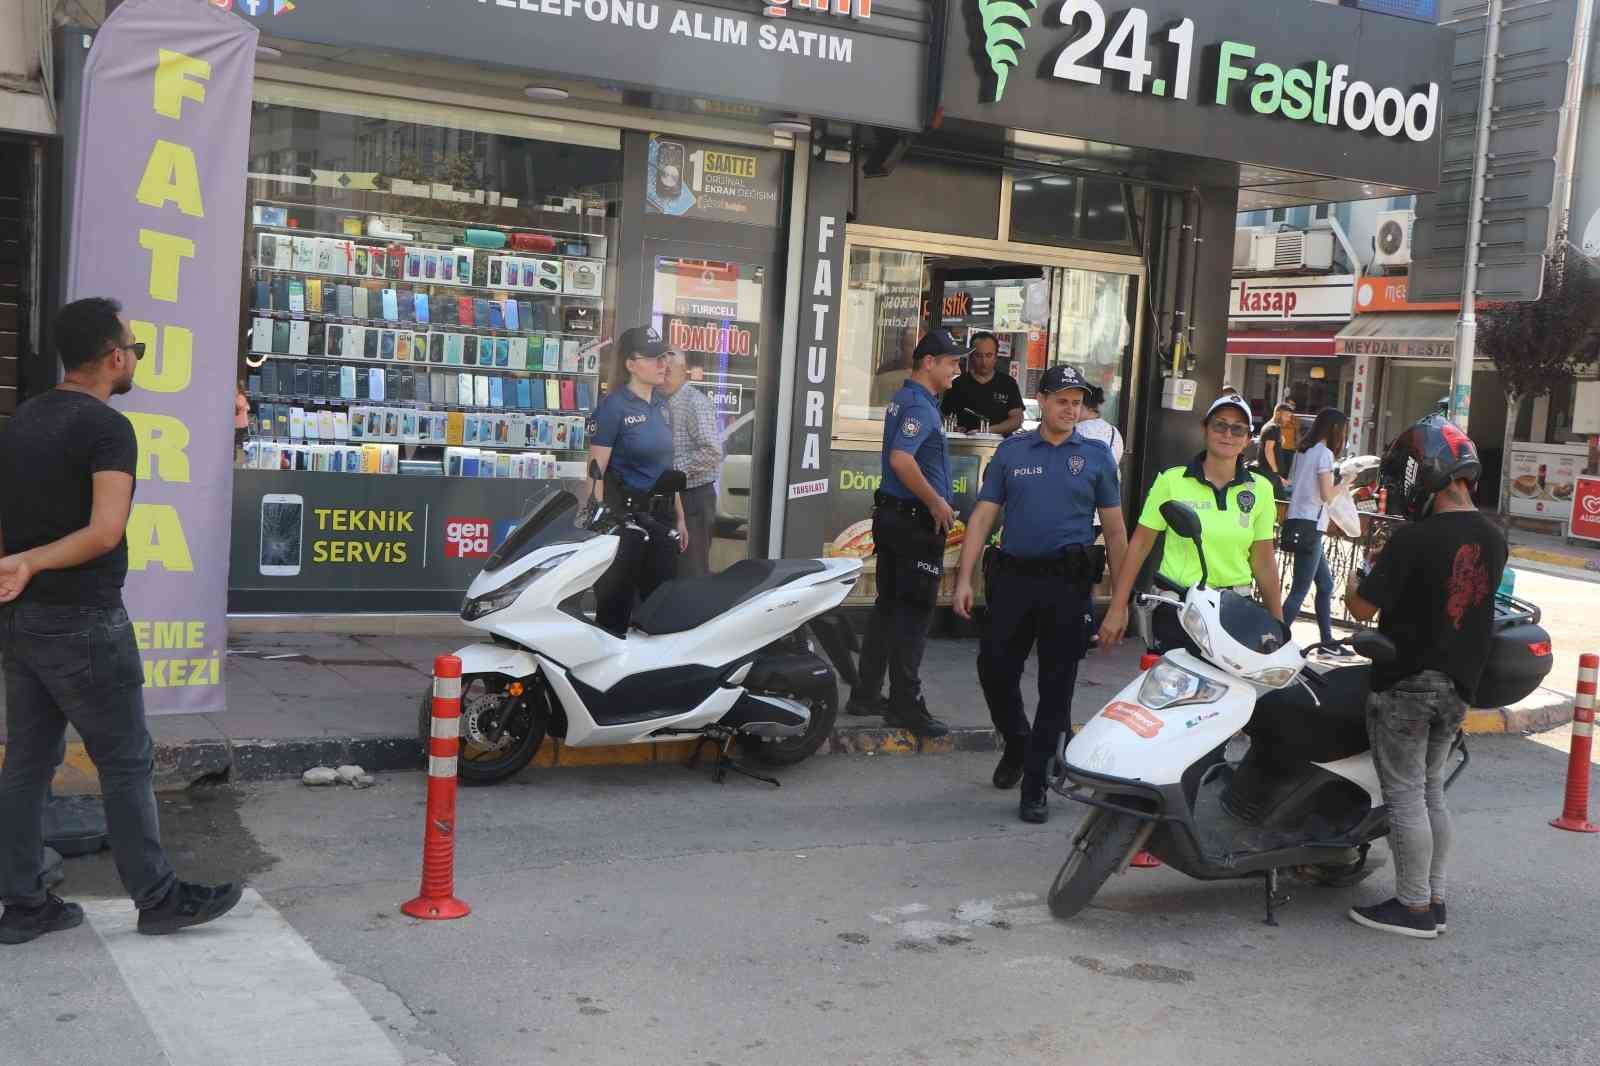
[[1519, 656]]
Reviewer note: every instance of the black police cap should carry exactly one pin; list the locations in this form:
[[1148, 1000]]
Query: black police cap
[[1061, 377]]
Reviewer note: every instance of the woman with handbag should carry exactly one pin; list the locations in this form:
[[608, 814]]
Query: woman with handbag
[[1315, 486]]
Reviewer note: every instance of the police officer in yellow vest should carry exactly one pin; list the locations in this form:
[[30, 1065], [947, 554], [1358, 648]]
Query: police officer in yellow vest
[[1237, 516]]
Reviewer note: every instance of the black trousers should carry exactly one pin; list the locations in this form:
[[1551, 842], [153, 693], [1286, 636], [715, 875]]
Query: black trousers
[[910, 556], [1027, 612], [646, 556]]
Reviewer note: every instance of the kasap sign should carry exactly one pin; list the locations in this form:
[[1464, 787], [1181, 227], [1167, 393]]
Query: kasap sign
[[158, 209], [1267, 300]]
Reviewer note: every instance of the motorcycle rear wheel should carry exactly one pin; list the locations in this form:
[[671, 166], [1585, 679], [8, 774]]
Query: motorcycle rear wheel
[[792, 750], [1094, 857], [483, 698]]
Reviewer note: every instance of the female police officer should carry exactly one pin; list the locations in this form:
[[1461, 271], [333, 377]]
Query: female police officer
[[1051, 484], [630, 438], [1237, 513]]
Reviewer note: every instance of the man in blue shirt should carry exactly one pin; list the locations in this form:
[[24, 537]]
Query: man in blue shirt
[[1048, 485], [911, 518]]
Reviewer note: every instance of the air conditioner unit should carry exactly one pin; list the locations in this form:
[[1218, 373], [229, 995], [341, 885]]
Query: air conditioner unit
[[1392, 245], [1243, 242], [1292, 250]]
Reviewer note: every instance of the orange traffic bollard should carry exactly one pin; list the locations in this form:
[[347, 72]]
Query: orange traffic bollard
[[437, 899], [1575, 813], [1143, 860]]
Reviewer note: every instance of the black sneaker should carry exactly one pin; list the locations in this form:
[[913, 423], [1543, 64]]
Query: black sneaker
[[1035, 807], [1438, 916], [1009, 772], [189, 904], [1392, 916], [21, 924], [867, 708], [916, 720]]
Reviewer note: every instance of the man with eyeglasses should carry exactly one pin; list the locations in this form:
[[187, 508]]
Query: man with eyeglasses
[[67, 466]]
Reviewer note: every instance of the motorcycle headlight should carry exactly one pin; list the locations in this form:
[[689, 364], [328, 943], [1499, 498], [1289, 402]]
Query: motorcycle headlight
[[1273, 676], [1167, 685], [1194, 624], [474, 608]]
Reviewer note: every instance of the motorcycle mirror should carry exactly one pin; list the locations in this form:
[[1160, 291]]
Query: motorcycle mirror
[[1371, 644], [1181, 519]]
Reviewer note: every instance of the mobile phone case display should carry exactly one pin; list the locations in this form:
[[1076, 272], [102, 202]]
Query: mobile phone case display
[[491, 354]]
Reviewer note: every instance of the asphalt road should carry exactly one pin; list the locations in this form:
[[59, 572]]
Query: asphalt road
[[875, 910]]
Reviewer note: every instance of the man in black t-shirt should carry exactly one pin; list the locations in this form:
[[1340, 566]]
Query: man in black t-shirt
[[1433, 588], [980, 393], [67, 466]]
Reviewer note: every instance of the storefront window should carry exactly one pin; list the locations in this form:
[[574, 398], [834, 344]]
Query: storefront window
[[882, 322], [423, 299], [1063, 210], [1314, 384], [1094, 331]]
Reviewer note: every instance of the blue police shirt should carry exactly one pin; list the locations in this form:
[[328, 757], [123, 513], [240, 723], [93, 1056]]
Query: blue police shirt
[[1049, 492], [639, 434], [913, 424]]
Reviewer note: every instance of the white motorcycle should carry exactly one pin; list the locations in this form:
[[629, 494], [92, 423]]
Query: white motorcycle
[[723, 658], [1151, 765]]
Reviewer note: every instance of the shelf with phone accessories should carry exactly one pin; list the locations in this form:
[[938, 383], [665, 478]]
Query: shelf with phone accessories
[[451, 288], [603, 225], [419, 405], [413, 364], [410, 326], [488, 446]]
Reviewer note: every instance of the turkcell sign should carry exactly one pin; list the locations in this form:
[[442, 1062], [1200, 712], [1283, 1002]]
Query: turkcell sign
[[1324, 94]]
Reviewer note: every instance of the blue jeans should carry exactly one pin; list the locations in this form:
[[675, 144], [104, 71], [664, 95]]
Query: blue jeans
[[1311, 564], [1412, 726], [77, 665]]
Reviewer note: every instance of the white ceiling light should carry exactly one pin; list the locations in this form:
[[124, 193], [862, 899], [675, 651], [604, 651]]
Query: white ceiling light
[[1056, 179], [1022, 186], [545, 92], [789, 125]]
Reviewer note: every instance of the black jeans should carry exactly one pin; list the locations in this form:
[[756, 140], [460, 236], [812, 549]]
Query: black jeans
[[910, 564], [77, 665], [646, 556], [1027, 611]]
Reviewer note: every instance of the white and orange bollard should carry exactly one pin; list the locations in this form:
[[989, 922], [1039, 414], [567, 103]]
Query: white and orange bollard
[[1575, 812], [1143, 860], [437, 899]]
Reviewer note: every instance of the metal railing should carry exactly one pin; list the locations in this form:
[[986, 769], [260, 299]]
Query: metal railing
[[1343, 554]]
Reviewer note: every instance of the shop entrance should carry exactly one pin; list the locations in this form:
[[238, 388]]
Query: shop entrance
[[1044, 307]]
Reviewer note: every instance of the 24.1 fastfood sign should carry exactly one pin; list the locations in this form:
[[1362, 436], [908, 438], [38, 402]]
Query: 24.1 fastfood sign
[[1122, 48]]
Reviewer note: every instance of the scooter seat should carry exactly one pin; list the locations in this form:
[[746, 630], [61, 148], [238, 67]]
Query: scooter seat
[[1326, 728], [687, 603]]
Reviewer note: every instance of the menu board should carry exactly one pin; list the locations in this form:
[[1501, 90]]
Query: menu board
[[1543, 479]]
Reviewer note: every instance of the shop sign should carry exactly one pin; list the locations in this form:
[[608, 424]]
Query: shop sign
[[1402, 348], [712, 338], [1586, 509], [1325, 299], [1383, 294], [855, 68], [1543, 481], [1330, 91], [692, 179], [158, 209]]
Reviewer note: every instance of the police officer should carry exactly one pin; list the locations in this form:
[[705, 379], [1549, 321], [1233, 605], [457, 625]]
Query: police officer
[[911, 519], [630, 435], [1047, 486]]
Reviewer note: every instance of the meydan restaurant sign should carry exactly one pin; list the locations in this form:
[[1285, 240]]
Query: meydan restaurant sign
[[1309, 87]]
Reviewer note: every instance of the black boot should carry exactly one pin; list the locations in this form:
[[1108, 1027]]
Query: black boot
[[189, 904], [915, 719], [866, 707], [1009, 772], [1035, 806]]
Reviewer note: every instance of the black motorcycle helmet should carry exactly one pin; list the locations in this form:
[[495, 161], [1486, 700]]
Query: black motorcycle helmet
[[1422, 462]]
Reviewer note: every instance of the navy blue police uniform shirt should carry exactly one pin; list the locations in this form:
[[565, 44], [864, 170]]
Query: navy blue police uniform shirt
[[914, 425], [1049, 492], [639, 434]]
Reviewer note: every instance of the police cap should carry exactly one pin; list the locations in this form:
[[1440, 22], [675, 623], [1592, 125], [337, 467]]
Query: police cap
[[1061, 377], [937, 343]]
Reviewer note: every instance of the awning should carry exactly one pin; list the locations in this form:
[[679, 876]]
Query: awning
[[1404, 335], [1280, 344]]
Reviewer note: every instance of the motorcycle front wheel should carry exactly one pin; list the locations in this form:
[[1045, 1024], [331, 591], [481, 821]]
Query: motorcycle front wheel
[[1102, 845], [501, 730]]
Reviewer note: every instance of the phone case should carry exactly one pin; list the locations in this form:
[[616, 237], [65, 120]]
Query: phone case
[[305, 253], [569, 357], [497, 272], [325, 424], [469, 350], [455, 428], [480, 390], [266, 250], [261, 335], [481, 314], [324, 251], [583, 396], [386, 343], [463, 257], [361, 264], [405, 303], [413, 264], [464, 390], [347, 382], [420, 306], [379, 262], [497, 315], [451, 386], [336, 341], [363, 384], [471, 427], [375, 383], [502, 351], [402, 345], [497, 394], [576, 434], [280, 294], [430, 265], [436, 393], [569, 395], [262, 296], [436, 435], [280, 336], [510, 315], [552, 394], [314, 294], [302, 381], [269, 379], [453, 346], [466, 311], [517, 353], [341, 425], [316, 344], [391, 306], [297, 296], [297, 423], [447, 268], [280, 420], [346, 301], [356, 341]]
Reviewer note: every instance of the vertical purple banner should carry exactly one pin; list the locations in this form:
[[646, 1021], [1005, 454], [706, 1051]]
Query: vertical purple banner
[[159, 199]]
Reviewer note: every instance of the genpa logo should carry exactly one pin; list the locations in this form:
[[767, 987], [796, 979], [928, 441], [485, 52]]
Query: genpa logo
[[466, 538]]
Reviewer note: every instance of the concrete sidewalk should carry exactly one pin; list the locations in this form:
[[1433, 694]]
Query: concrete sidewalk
[[319, 697], [1554, 555]]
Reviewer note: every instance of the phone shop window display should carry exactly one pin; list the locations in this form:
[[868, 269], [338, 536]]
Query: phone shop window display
[[422, 299]]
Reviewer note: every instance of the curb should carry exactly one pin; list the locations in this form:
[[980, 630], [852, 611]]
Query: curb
[[179, 766], [1550, 558]]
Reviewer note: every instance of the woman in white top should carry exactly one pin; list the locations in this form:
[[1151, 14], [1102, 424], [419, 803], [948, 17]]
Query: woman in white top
[[1096, 428], [1315, 485]]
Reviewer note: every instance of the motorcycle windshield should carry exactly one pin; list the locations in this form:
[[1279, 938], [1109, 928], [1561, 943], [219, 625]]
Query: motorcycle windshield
[[1247, 622], [548, 520]]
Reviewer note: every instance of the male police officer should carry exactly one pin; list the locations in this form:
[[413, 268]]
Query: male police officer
[[910, 522], [1051, 483]]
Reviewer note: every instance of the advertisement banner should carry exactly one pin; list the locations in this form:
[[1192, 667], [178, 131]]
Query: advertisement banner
[[1543, 479], [158, 207], [1586, 509], [701, 180]]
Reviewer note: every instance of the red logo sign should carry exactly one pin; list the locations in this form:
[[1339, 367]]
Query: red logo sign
[[1135, 717], [466, 538], [1586, 508]]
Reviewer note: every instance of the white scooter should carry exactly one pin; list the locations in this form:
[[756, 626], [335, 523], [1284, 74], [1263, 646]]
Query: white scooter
[[724, 658], [1152, 770]]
